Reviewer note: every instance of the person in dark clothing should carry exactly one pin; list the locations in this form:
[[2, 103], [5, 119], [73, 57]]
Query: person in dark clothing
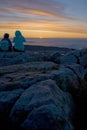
[[5, 43]]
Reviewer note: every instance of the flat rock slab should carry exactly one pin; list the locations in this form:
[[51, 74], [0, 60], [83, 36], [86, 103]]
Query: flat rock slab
[[23, 75]]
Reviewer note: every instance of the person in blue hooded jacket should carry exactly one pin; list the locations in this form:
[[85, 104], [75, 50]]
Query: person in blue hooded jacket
[[18, 41]]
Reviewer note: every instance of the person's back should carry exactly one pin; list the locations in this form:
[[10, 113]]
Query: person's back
[[18, 41], [5, 43]]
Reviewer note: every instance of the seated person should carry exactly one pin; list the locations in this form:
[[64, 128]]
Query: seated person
[[18, 41], [5, 43]]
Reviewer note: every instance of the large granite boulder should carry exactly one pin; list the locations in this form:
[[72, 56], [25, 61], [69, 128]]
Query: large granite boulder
[[68, 59], [7, 99], [43, 106], [73, 57], [69, 78]]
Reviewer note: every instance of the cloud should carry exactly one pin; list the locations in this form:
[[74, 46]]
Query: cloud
[[36, 8], [44, 26], [53, 10], [39, 16]]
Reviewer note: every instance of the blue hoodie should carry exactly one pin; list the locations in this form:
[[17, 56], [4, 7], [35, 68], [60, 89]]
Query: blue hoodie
[[18, 41]]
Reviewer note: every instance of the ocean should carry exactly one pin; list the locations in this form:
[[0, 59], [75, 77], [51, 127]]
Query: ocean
[[74, 43], [58, 42]]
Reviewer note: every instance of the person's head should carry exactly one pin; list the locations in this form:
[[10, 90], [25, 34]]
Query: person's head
[[18, 33], [6, 35]]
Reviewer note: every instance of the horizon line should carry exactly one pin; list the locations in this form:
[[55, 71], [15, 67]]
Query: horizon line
[[52, 37]]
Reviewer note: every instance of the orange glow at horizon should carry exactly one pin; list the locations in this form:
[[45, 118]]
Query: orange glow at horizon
[[44, 30]]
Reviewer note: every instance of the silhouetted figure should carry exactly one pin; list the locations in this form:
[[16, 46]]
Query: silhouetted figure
[[5, 43], [18, 42]]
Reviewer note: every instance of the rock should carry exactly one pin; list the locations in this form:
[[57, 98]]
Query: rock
[[56, 57], [69, 78], [73, 57], [43, 89], [68, 59], [30, 67], [7, 100], [24, 75], [43, 106], [83, 61], [11, 58]]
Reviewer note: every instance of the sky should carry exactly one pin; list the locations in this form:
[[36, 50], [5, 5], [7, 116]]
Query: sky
[[44, 18]]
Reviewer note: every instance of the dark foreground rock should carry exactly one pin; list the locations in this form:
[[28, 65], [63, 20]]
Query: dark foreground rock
[[43, 90], [43, 106]]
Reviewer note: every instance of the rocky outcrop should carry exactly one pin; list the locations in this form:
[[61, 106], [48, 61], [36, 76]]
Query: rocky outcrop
[[43, 90]]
